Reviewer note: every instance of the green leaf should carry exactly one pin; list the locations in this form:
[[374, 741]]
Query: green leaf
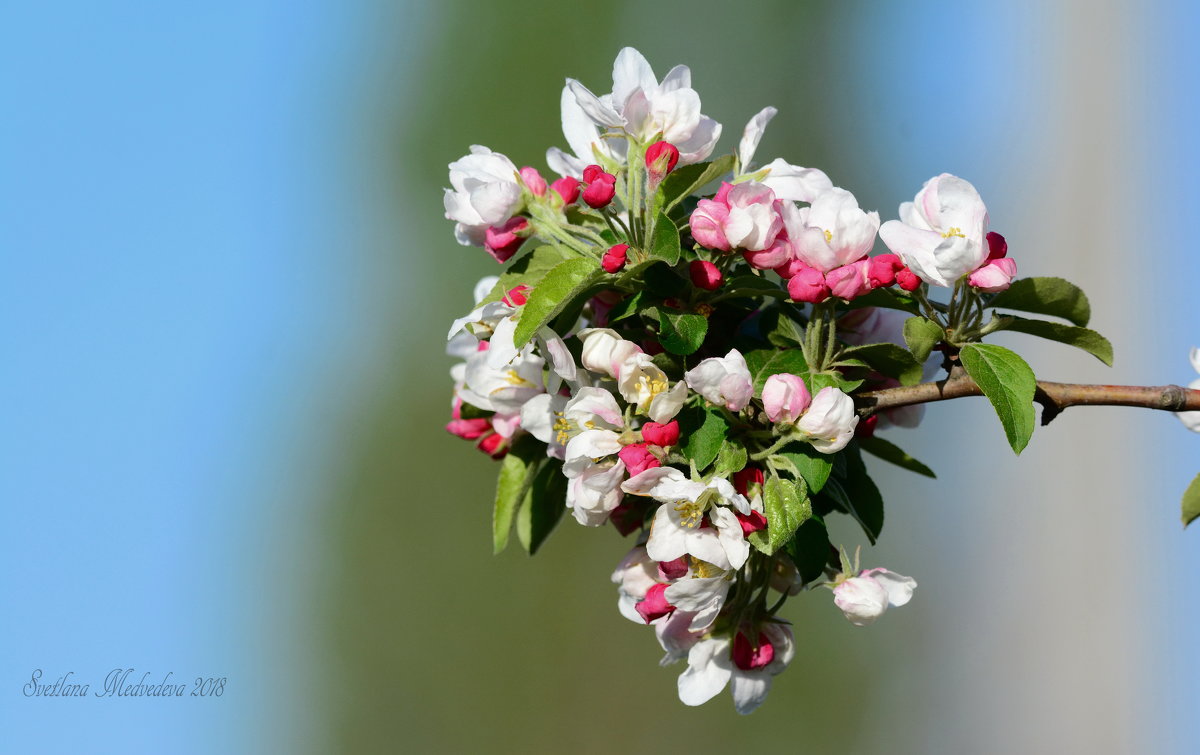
[[1081, 338], [786, 507], [809, 549], [1191, 502], [705, 431], [780, 330], [789, 361], [812, 465], [517, 471], [470, 411], [922, 334], [666, 240], [661, 280], [862, 495], [1046, 296], [543, 507], [553, 294], [889, 451], [627, 307], [888, 298], [1009, 383], [681, 332], [834, 379], [528, 270], [889, 359], [731, 459], [691, 178]]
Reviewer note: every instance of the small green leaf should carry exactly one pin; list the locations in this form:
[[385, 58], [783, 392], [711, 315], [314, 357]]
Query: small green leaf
[[889, 451], [922, 334], [517, 471], [662, 281], [888, 298], [689, 179], [705, 431], [809, 549], [681, 332], [666, 240], [543, 507], [553, 294], [1009, 383], [862, 495], [627, 307], [470, 411], [780, 329], [1046, 296], [731, 459], [790, 361], [889, 359], [1081, 338], [786, 507], [528, 270], [1191, 502], [812, 465]]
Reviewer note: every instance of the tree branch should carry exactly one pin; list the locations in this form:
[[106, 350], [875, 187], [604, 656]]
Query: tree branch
[[1054, 397]]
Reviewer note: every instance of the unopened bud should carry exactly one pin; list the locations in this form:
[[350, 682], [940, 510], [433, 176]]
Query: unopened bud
[[661, 158], [638, 458], [533, 181], [517, 296], [752, 522], [808, 285], [614, 259], [997, 246], [601, 187], [673, 569], [749, 656], [654, 605], [494, 445], [907, 280], [661, 435], [705, 275], [881, 270], [567, 188], [503, 241]]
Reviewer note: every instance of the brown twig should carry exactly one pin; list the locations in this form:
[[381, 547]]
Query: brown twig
[[1054, 397]]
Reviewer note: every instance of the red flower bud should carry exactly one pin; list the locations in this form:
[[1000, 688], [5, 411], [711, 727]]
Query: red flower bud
[[638, 458], [997, 246], [661, 158], [747, 656], [468, 429], [614, 258], [503, 241], [705, 275], [494, 446], [752, 522], [866, 428], [601, 187], [673, 569], [654, 605], [881, 271], [567, 188], [907, 280], [748, 477], [516, 296], [661, 435], [808, 285]]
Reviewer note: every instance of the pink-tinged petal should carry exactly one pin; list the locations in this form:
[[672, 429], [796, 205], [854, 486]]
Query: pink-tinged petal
[[591, 403], [638, 458], [631, 71], [671, 570], [849, 281], [654, 605], [601, 113], [699, 146], [785, 398], [861, 599], [709, 670], [707, 225], [646, 482], [808, 285], [770, 258], [796, 184], [994, 277], [898, 587], [749, 690], [916, 248]]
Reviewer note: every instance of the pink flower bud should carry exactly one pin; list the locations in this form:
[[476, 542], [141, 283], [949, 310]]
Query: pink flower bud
[[785, 398], [638, 459], [494, 445], [567, 188], [661, 158], [995, 276], [468, 429], [748, 656], [907, 280], [601, 187], [997, 246], [614, 259], [503, 241], [808, 285], [791, 268], [673, 569], [517, 296], [654, 605], [705, 275], [772, 257], [661, 435], [533, 181], [746, 480], [752, 522], [629, 514], [849, 281], [881, 270]]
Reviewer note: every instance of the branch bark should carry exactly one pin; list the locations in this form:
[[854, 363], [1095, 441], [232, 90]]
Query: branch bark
[[1054, 397]]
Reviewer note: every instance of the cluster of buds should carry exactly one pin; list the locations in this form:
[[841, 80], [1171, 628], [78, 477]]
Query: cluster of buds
[[689, 367]]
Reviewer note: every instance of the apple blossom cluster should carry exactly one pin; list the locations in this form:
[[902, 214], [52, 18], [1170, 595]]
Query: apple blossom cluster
[[684, 346]]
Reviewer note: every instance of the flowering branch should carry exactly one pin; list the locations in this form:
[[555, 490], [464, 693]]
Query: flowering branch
[[1054, 397]]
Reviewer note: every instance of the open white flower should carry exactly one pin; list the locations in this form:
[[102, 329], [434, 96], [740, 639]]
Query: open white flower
[[679, 527], [829, 422], [591, 424], [942, 234], [747, 667], [642, 383], [641, 106], [701, 594], [485, 193], [504, 389], [1191, 420], [832, 232], [595, 492]]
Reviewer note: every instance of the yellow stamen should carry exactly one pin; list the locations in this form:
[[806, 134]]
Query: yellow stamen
[[690, 513], [828, 236], [703, 569], [513, 378], [954, 231]]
